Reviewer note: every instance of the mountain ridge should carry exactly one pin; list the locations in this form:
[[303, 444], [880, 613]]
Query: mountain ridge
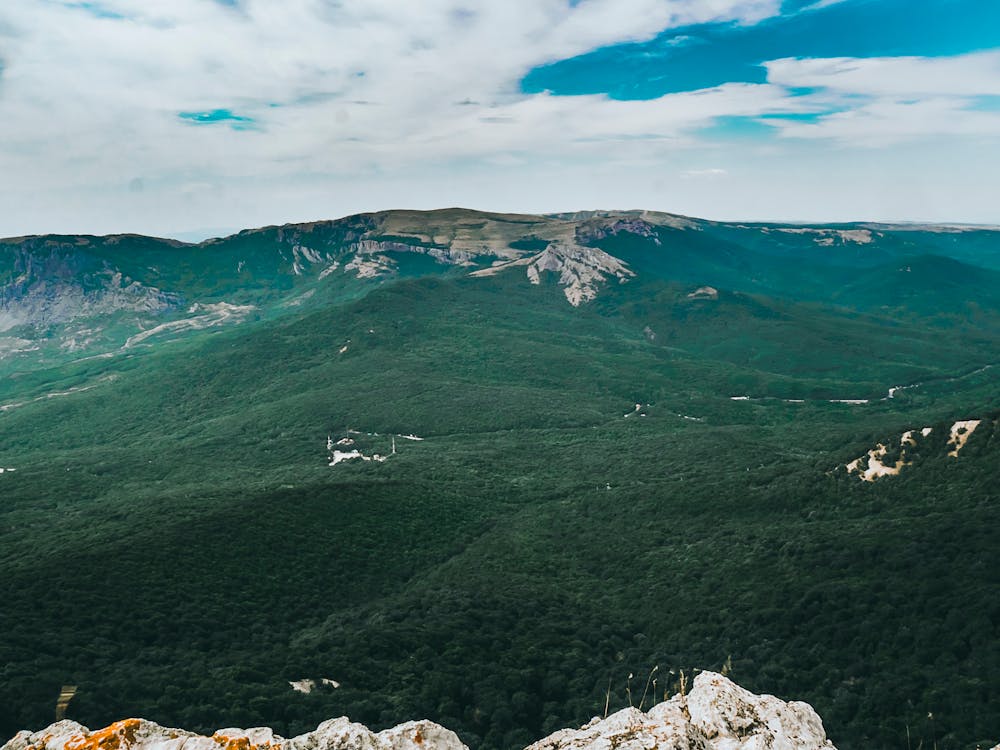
[[276, 268], [560, 215]]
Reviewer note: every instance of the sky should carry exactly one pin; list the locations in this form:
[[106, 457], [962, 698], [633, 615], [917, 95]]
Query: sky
[[193, 118]]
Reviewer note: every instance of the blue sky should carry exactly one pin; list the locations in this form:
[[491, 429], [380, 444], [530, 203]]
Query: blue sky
[[712, 54], [193, 117]]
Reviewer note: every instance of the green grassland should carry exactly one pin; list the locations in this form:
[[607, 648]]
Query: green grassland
[[174, 543]]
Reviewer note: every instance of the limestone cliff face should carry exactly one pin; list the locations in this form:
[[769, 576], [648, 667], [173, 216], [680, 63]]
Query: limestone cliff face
[[46, 286], [581, 269], [715, 715]]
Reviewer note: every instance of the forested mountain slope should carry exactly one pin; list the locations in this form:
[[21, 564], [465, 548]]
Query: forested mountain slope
[[612, 441]]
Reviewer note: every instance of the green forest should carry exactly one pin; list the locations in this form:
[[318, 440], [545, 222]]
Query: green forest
[[174, 542]]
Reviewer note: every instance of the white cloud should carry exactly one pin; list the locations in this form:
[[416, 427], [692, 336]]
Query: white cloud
[[819, 4], [358, 87], [376, 103], [874, 101], [709, 173], [976, 74], [887, 121]]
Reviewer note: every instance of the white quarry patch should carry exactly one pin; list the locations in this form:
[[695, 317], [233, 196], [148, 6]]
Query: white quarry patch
[[826, 237], [859, 236], [207, 315], [897, 388], [308, 253], [739, 398], [872, 465], [716, 714], [296, 301], [79, 339], [328, 270], [503, 265], [307, 686], [960, 434], [876, 468], [854, 401], [638, 411], [342, 349], [12, 345], [704, 292], [6, 471], [369, 267], [456, 251], [302, 255], [338, 456]]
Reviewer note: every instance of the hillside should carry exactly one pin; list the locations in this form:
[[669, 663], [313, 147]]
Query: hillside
[[634, 433]]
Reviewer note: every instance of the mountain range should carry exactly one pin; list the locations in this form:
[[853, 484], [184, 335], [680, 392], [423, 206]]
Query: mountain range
[[481, 468]]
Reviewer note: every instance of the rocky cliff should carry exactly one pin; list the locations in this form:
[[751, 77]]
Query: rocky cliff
[[715, 714]]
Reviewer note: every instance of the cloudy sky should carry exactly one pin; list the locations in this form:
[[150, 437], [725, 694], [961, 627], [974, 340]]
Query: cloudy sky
[[194, 117]]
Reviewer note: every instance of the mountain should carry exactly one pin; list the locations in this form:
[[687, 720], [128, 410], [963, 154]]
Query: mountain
[[63, 297], [605, 441]]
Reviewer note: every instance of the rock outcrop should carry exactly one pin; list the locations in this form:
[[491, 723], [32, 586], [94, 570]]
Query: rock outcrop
[[716, 714], [887, 460], [139, 734]]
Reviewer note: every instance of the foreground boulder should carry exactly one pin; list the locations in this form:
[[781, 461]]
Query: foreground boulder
[[139, 734], [716, 714]]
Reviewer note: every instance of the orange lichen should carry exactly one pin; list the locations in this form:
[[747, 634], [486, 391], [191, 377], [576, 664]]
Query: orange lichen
[[241, 743], [418, 738], [117, 736], [231, 743], [42, 743]]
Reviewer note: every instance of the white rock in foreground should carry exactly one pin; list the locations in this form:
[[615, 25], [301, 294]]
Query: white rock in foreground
[[716, 714], [139, 734]]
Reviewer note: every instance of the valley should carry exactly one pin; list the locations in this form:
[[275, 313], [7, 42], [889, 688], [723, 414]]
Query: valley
[[599, 467]]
